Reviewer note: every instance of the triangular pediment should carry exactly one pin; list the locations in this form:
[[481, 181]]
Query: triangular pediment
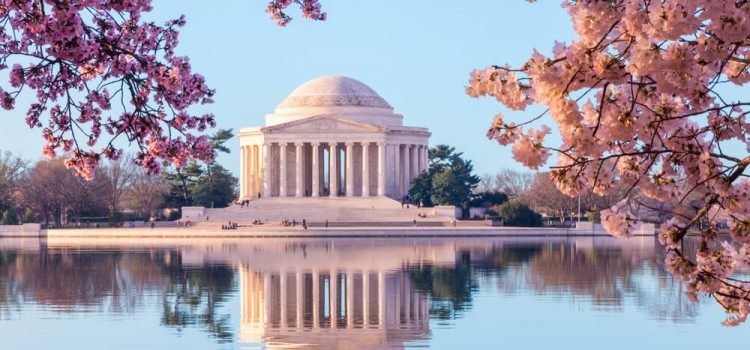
[[323, 124]]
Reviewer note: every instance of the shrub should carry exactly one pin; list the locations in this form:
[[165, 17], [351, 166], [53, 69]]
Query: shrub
[[28, 216], [9, 217], [594, 217], [515, 213]]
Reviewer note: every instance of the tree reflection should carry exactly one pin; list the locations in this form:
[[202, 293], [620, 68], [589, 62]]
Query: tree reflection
[[192, 295], [119, 281], [450, 288], [604, 276]]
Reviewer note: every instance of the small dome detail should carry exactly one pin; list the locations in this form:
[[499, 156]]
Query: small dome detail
[[333, 91]]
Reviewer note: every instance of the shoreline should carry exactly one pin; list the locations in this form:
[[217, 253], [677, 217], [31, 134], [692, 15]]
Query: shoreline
[[299, 232]]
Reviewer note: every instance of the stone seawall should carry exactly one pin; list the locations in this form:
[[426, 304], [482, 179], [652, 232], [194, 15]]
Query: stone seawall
[[24, 230], [319, 232]]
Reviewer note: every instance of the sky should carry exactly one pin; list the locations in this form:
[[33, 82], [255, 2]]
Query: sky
[[416, 54]]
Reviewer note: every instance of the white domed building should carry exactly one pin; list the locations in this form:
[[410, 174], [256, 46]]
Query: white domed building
[[332, 136]]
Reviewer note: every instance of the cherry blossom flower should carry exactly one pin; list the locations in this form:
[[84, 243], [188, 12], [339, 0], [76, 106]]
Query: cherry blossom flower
[[638, 97]]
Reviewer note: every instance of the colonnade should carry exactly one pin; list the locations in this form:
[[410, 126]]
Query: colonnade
[[331, 299], [313, 169]]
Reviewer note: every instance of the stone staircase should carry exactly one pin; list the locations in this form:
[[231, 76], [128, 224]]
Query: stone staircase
[[339, 212]]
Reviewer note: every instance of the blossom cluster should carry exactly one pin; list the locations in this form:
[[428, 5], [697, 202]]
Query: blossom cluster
[[310, 10], [99, 69], [639, 98]]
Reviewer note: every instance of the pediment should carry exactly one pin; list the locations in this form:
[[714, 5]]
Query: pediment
[[323, 124]]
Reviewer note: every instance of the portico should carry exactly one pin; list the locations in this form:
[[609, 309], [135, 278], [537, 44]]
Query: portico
[[333, 136]]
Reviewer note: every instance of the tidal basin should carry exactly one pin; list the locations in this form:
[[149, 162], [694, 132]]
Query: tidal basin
[[346, 293]]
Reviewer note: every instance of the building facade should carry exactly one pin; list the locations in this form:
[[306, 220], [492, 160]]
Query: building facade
[[332, 136]]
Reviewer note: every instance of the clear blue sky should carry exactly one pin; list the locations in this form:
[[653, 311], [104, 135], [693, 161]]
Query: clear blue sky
[[416, 54]]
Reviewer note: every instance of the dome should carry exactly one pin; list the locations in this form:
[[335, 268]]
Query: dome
[[333, 91]]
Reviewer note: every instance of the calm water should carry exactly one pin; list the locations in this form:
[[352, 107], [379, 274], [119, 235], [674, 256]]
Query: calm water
[[513, 293]]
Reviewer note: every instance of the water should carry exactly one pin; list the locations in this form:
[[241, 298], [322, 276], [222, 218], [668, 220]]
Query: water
[[518, 293]]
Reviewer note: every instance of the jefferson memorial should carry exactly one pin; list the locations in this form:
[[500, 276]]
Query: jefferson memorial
[[332, 136]]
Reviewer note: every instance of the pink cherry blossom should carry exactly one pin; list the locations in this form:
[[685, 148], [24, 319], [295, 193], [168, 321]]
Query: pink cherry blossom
[[98, 69], [640, 97]]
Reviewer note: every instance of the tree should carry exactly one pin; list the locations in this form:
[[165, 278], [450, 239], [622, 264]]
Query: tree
[[421, 188], [544, 197], [488, 199], [643, 96], [11, 171], [28, 216], [54, 190], [97, 66], [180, 182], [514, 183], [9, 217], [447, 181], [217, 190], [117, 177], [146, 193], [41, 189], [515, 213]]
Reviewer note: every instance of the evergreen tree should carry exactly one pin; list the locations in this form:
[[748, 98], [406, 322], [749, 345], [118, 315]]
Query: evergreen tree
[[209, 186], [448, 180], [28, 216], [9, 217]]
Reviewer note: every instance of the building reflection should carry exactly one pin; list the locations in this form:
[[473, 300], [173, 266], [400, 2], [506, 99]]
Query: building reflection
[[325, 297], [331, 308]]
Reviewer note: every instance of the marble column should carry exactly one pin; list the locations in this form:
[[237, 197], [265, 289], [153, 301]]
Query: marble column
[[282, 169], [252, 165], [397, 170], [414, 156], [365, 169], [381, 168], [251, 179], [333, 172], [266, 170], [419, 159], [406, 172], [256, 172], [315, 169], [425, 157], [349, 169], [243, 172], [300, 170]]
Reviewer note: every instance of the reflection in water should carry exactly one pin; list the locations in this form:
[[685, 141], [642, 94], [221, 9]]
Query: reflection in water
[[332, 293], [117, 281], [331, 309]]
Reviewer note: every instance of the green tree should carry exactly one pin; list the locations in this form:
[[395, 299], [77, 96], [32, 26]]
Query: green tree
[[9, 217], [515, 213], [28, 216], [421, 189], [216, 190], [179, 184], [488, 199], [212, 186], [448, 179], [218, 141]]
